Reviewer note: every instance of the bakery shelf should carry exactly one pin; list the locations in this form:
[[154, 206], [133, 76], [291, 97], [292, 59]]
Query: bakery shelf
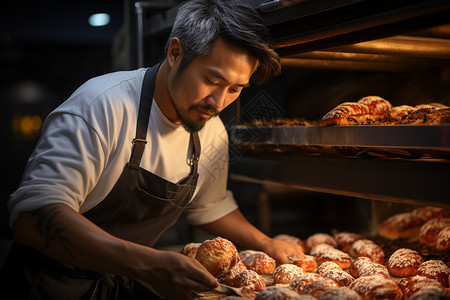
[[412, 181], [432, 137]]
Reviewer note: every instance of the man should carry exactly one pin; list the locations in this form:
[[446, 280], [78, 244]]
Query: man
[[120, 161]]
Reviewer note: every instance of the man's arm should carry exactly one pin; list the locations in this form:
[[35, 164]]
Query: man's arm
[[235, 227], [68, 237]]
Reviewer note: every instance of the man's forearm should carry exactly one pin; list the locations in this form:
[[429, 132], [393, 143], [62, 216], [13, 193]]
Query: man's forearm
[[236, 227], [66, 236]]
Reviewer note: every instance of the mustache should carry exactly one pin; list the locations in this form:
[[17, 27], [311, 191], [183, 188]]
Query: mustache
[[206, 108]]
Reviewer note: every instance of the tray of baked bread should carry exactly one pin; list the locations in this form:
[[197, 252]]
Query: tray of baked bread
[[369, 127], [408, 258]]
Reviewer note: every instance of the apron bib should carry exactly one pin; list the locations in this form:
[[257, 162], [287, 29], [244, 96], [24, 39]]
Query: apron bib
[[139, 208]]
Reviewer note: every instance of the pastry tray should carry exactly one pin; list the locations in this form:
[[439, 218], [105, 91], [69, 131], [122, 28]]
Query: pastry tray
[[432, 137]]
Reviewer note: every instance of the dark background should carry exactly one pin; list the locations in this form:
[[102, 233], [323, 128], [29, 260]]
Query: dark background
[[47, 49]]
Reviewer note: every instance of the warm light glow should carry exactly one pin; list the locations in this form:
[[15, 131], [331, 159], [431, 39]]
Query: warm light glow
[[26, 126], [100, 19]]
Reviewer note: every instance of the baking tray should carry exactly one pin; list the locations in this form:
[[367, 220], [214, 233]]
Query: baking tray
[[432, 137]]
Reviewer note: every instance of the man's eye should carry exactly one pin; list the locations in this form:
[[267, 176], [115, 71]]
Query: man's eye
[[211, 82], [235, 90]]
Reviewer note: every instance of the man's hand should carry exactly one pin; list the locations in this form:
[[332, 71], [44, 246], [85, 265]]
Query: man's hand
[[282, 250], [173, 275]]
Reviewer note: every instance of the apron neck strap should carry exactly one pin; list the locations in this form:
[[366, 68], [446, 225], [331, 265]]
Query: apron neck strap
[[196, 149], [145, 107]]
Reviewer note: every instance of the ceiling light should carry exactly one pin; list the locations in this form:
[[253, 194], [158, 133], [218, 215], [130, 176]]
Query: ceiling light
[[100, 19]]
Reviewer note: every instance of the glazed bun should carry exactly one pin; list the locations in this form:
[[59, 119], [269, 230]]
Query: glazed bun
[[216, 255], [404, 262], [258, 261]]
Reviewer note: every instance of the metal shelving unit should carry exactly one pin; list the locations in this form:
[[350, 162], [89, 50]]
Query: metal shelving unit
[[354, 35]]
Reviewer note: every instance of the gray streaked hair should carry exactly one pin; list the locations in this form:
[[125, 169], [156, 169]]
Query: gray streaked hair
[[199, 23]]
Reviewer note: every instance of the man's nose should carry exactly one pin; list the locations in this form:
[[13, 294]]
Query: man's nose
[[217, 99]]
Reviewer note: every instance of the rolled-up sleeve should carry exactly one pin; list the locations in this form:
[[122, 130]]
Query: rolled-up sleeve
[[64, 166]]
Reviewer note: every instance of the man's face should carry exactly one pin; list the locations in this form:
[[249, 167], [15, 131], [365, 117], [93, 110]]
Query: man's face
[[209, 84]]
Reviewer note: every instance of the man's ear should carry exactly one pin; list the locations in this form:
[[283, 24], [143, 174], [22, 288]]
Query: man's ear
[[174, 52]]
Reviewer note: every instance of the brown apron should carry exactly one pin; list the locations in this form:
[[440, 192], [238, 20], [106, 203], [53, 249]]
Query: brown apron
[[139, 208]]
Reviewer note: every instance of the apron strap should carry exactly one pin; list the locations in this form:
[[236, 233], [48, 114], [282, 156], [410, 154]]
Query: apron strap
[[196, 149], [145, 106]]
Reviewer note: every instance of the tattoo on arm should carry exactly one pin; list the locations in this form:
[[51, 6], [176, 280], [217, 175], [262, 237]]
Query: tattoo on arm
[[50, 229]]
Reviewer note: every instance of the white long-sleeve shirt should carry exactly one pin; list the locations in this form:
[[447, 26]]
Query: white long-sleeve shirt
[[86, 142]]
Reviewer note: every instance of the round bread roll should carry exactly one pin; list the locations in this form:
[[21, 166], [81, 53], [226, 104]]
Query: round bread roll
[[290, 238], [319, 287], [300, 283], [327, 266], [276, 293], [430, 293], [284, 273], [430, 230], [364, 266], [248, 280], [320, 238], [368, 249], [435, 269], [429, 212], [400, 226], [345, 240], [236, 267], [316, 250], [376, 287], [333, 271], [341, 277], [190, 249], [335, 255], [308, 263], [341, 293], [258, 261], [411, 285], [216, 255], [443, 239], [404, 262]]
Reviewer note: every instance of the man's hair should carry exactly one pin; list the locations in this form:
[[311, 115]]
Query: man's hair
[[199, 23]]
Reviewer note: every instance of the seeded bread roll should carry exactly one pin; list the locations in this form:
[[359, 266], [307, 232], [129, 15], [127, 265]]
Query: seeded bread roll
[[319, 239], [435, 269], [248, 280], [368, 249], [430, 230], [300, 283], [308, 263], [345, 240], [404, 262], [284, 273], [258, 261], [276, 293], [319, 287], [401, 226], [443, 239], [290, 238], [335, 255], [190, 249], [332, 270], [341, 293], [216, 255], [376, 287], [364, 266], [412, 285]]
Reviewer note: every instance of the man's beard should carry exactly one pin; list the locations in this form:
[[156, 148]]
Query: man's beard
[[191, 125]]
